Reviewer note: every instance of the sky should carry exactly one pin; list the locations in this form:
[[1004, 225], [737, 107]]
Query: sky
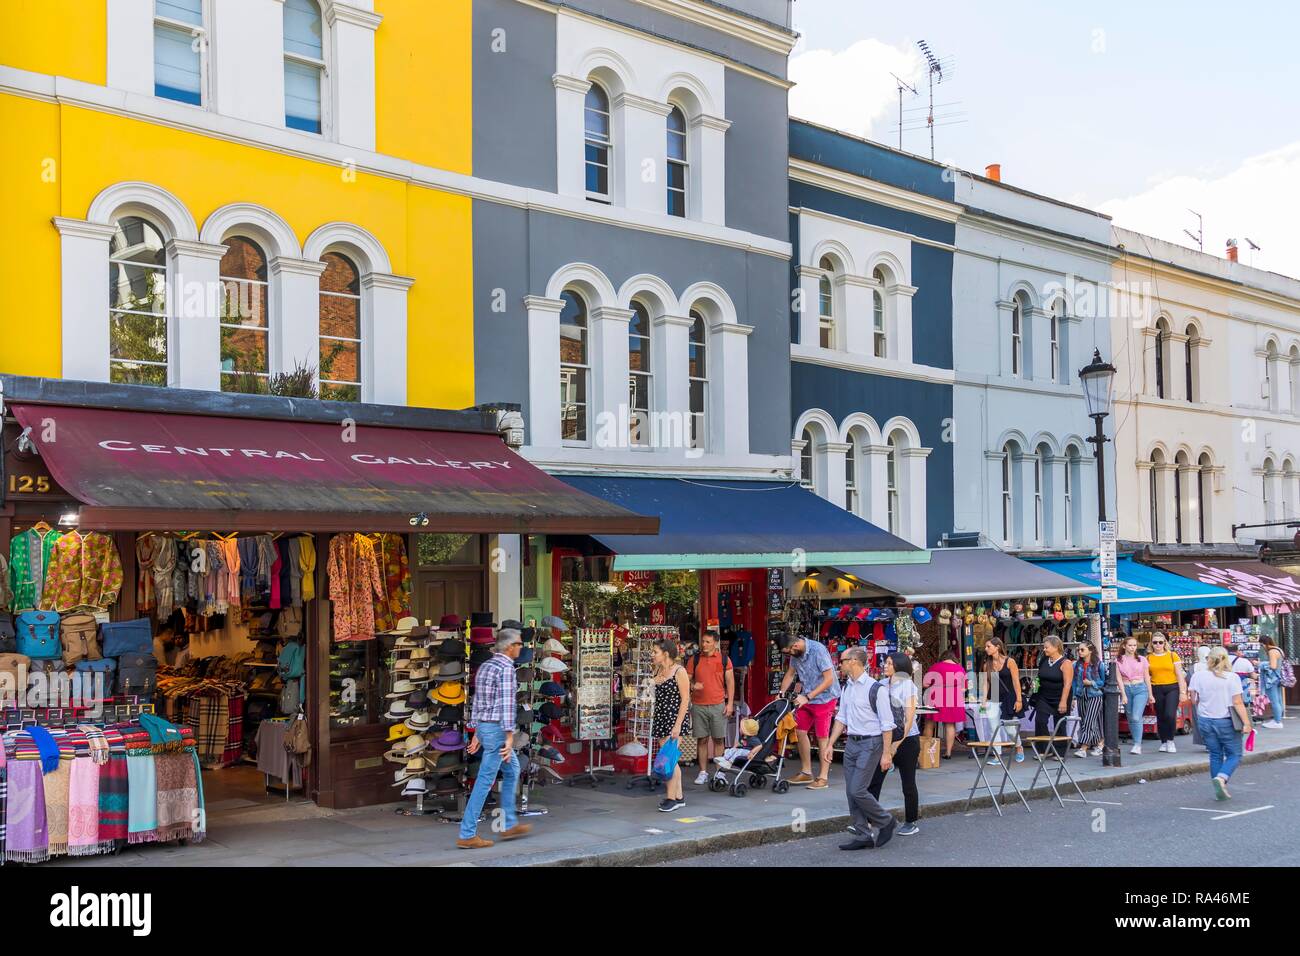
[[1143, 109]]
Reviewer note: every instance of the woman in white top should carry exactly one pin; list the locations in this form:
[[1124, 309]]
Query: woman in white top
[[896, 677], [1216, 694]]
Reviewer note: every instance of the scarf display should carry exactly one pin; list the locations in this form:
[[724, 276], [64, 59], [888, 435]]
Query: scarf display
[[83, 809], [26, 838], [4, 800], [164, 736], [177, 796], [49, 750], [57, 785], [96, 742], [210, 718], [113, 798], [142, 805]]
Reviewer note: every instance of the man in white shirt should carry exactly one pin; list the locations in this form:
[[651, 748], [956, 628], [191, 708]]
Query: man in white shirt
[[869, 730]]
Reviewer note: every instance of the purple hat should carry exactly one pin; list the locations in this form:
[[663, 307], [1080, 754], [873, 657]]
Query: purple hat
[[448, 741]]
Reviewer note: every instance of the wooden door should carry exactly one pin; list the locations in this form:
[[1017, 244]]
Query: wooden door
[[437, 592]]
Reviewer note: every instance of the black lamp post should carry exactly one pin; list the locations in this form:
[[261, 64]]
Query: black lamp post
[[1098, 379]]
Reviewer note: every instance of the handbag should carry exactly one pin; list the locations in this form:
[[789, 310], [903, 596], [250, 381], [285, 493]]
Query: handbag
[[666, 759], [13, 675], [929, 754], [8, 637], [297, 741], [128, 637], [1238, 724], [38, 634]]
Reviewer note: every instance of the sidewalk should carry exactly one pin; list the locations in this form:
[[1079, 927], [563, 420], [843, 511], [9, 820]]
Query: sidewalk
[[612, 825]]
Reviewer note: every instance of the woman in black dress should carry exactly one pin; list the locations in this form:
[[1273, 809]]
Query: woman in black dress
[[1055, 677], [1004, 671], [672, 699]]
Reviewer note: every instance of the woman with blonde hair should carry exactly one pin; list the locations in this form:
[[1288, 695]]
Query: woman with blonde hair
[[1216, 695]]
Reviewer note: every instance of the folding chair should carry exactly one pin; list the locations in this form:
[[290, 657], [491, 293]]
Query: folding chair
[[1002, 739], [1051, 740]]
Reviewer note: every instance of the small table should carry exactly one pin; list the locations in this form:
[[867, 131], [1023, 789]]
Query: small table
[[1051, 741]]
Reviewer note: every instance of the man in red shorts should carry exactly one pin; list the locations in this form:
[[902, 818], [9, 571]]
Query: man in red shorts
[[819, 692]]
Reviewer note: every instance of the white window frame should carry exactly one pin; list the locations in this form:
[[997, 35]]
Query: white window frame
[[322, 75], [893, 500], [852, 495], [166, 270], [826, 305], [572, 371], [698, 437], [199, 33], [1067, 536], [1162, 370], [1008, 522], [607, 144], [1056, 347], [879, 317], [1154, 496], [1038, 497], [684, 164], [1017, 337], [359, 340], [265, 330], [648, 375], [808, 461]]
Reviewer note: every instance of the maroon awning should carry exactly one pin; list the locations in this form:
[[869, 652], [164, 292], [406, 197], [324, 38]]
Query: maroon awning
[[1252, 581], [137, 470]]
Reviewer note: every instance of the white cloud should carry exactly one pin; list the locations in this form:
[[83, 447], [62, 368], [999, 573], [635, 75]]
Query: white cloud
[[1257, 199], [852, 90]]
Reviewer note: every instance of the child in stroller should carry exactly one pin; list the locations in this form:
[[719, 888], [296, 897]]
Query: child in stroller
[[758, 755]]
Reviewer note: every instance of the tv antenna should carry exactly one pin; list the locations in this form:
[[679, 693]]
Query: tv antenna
[[1199, 235], [934, 68], [1254, 248], [902, 85]]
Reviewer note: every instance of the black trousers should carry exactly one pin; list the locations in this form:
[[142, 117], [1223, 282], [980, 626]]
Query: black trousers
[[905, 759], [1045, 712], [1166, 710]]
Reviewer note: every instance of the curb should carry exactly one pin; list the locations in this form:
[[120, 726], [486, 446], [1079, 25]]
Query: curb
[[761, 836]]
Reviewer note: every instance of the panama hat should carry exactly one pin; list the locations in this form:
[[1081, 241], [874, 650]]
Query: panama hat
[[405, 626], [452, 692], [448, 670], [421, 654], [415, 787], [401, 688], [399, 710], [419, 720], [398, 732], [419, 676]]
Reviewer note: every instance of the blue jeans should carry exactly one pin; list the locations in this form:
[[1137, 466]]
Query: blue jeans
[[1135, 706], [1224, 742], [1275, 697], [493, 737]]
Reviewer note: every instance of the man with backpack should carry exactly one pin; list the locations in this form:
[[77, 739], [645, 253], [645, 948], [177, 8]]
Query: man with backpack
[[866, 719], [713, 694]]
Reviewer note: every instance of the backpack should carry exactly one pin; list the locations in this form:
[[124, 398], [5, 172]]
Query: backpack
[[128, 637], [290, 662], [900, 713], [289, 623], [78, 632], [137, 674], [8, 637], [15, 666], [38, 634], [1288, 673]]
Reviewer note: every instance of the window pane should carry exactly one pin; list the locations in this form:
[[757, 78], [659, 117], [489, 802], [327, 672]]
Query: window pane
[[573, 404], [697, 395], [127, 373], [244, 304], [137, 338], [244, 259], [573, 330], [340, 275], [302, 28], [187, 11], [340, 363], [137, 288], [340, 316], [340, 393], [176, 65], [302, 97], [597, 169], [676, 203], [243, 351], [676, 135], [433, 549], [137, 240]]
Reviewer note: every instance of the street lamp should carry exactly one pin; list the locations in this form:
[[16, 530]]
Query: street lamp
[[1098, 380]]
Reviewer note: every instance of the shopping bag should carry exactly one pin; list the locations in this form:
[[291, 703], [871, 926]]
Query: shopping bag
[[929, 753], [1250, 741], [666, 759]]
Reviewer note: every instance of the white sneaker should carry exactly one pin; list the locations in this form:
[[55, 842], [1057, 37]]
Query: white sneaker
[[1172, 749], [723, 762], [1137, 749], [1164, 746], [702, 779], [1274, 725], [1098, 750], [1081, 753]]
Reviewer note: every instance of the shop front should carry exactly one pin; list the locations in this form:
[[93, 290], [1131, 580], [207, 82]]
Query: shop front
[[230, 528]]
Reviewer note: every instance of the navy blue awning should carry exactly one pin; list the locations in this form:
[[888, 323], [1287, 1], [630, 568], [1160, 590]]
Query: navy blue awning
[[706, 523]]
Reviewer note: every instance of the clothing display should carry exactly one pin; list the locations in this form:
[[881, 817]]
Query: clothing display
[[84, 571], [395, 574], [355, 584], [29, 560]]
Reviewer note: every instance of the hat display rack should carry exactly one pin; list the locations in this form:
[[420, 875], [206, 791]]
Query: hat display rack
[[426, 702], [544, 697]]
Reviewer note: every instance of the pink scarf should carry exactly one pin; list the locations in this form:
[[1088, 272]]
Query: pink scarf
[[83, 810]]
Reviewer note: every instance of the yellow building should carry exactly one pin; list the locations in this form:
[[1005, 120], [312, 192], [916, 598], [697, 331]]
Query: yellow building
[[248, 178]]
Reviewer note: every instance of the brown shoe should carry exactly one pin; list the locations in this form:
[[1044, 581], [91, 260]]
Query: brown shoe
[[803, 778], [821, 783], [473, 843], [516, 831]]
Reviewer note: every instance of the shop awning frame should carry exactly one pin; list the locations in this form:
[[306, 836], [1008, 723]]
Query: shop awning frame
[[721, 524], [1250, 582], [966, 574], [1143, 589]]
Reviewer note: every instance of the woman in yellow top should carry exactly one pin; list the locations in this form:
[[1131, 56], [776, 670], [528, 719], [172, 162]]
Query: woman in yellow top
[[1170, 688]]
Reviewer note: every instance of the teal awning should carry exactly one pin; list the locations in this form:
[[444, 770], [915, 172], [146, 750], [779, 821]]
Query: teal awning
[[1142, 589]]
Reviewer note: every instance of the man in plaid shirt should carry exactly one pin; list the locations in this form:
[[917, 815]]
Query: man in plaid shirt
[[493, 717]]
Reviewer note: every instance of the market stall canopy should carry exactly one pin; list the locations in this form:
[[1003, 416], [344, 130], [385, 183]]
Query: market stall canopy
[[1142, 589], [1251, 581], [966, 574], [136, 470], [710, 524]]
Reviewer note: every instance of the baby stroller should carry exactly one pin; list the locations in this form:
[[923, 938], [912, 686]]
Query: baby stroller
[[757, 769]]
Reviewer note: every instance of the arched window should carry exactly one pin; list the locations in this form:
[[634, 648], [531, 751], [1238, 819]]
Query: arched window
[[826, 304], [639, 380], [340, 329], [1153, 493], [137, 303], [1270, 375], [1294, 368], [698, 380], [245, 323], [1039, 517], [180, 46], [1017, 336], [1071, 467], [879, 336], [893, 501], [1008, 515], [807, 474], [1058, 317], [304, 66], [1162, 338], [1180, 462], [598, 142], [852, 496], [678, 162], [1189, 363], [1288, 488], [1269, 469], [1203, 490], [574, 368]]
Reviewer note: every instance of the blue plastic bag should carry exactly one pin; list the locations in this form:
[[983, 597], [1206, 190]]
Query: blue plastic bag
[[666, 759]]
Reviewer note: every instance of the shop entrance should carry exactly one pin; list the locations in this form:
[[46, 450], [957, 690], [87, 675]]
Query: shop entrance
[[449, 576]]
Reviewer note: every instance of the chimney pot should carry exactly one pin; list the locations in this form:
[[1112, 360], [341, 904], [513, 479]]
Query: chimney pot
[[993, 171], [1232, 250]]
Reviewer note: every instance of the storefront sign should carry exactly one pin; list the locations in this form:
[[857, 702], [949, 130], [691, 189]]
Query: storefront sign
[[659, 613], [1109, 595], [25, 475], [1107, 536], [638, 580]]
